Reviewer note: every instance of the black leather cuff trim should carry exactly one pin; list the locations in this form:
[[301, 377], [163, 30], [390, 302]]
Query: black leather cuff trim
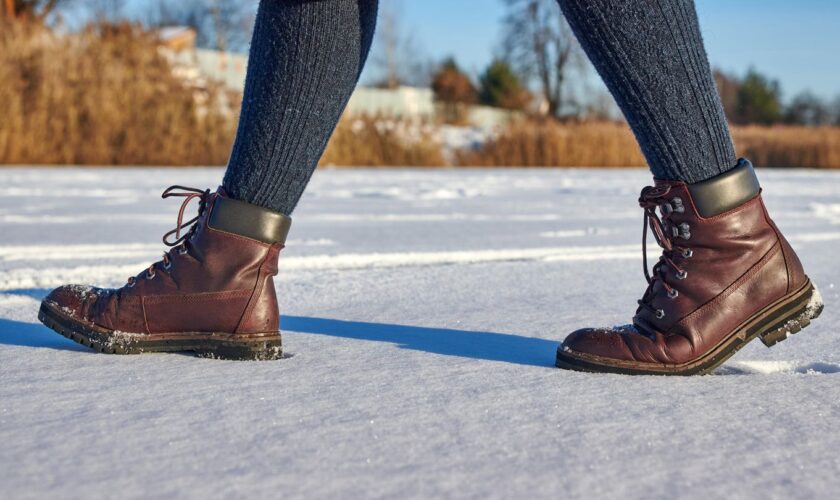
[[725, 191], [251, 221]]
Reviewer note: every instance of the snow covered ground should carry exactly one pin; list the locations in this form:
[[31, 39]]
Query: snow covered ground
[[422, 312]]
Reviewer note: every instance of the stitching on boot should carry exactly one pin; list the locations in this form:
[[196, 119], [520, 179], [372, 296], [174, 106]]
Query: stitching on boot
[[752, 271], [780, 239], [257, 291], [197, 297], [232, 235]]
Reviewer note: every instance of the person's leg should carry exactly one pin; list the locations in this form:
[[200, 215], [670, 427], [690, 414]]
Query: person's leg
[[213, 292], [726, 274], [650, 55], [305, 60]]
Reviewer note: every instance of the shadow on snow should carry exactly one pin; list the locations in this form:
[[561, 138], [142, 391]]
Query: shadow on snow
[[508, 348], [477, 345], [466, 344], [491, 346], [20, 333]]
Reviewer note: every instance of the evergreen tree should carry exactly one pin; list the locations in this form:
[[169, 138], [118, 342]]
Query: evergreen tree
[[758, 100], [500, 87]]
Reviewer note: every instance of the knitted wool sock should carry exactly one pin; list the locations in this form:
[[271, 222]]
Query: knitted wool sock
[[651, 56], [305, 60]]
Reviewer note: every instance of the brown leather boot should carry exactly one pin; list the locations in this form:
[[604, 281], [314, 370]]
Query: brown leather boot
[[213, 292], [725, 277]]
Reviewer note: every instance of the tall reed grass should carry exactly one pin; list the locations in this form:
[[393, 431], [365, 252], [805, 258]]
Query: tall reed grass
[[102, 97], [382, 142], [789, 146], [106, 96], [546, 143]]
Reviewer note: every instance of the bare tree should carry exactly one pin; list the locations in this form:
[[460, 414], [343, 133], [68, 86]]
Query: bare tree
[[219, 24], [806, 108], [232, 22], [106, 10], [454, 90], [388, 38], [540, 45], [397, 55], [835, 111], [727, 86], [164, 13], [37, 10]]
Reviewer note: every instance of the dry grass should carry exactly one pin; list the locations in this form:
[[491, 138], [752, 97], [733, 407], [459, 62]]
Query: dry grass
[[587, 144], [102, 97], [788, 146], [382, 142], [547, 143], [107, 97]]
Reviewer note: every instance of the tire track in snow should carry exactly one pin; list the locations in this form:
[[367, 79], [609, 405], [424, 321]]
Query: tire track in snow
[[108, 251], [313, 218], [112, 275], [102, 251]]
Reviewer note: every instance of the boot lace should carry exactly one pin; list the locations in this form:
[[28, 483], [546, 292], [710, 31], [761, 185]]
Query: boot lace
[[669, 236], [181, 239]]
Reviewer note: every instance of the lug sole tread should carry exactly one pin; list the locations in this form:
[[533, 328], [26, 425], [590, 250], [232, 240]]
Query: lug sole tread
[[789, 315], [259, 349]]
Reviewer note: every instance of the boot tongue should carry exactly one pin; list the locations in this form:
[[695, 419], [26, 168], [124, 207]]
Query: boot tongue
[[643, 327]]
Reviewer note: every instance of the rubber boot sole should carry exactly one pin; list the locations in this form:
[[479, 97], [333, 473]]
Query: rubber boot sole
[[257, 346], [773, 324]]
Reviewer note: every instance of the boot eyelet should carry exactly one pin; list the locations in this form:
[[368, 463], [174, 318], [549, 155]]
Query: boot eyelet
[[660, 314], [182, 250], [682, 275], [687, 253], [167, 265], [678, 205], [149, 275], [685, 231], [130, 284], [673, 293]]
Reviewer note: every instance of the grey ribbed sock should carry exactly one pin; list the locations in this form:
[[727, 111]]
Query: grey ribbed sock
[[305, 60], [651, 56]]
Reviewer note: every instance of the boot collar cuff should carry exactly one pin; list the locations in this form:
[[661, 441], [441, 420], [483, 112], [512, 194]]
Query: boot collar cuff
[[722, 192], [248, 220]]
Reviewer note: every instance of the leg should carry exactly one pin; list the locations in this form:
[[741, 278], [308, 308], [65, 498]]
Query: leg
[[306, 57], [213, 293], [726, 275], [651, 56]]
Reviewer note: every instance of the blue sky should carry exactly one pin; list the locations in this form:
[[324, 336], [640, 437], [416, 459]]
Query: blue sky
[[794, 41]]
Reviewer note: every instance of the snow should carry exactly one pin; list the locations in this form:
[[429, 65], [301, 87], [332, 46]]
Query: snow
[[422, 313]]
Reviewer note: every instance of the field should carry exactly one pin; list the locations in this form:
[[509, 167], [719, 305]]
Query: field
[[422, 311]]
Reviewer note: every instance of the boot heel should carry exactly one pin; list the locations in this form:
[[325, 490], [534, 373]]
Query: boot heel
[[259, 350], [795, 321]]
